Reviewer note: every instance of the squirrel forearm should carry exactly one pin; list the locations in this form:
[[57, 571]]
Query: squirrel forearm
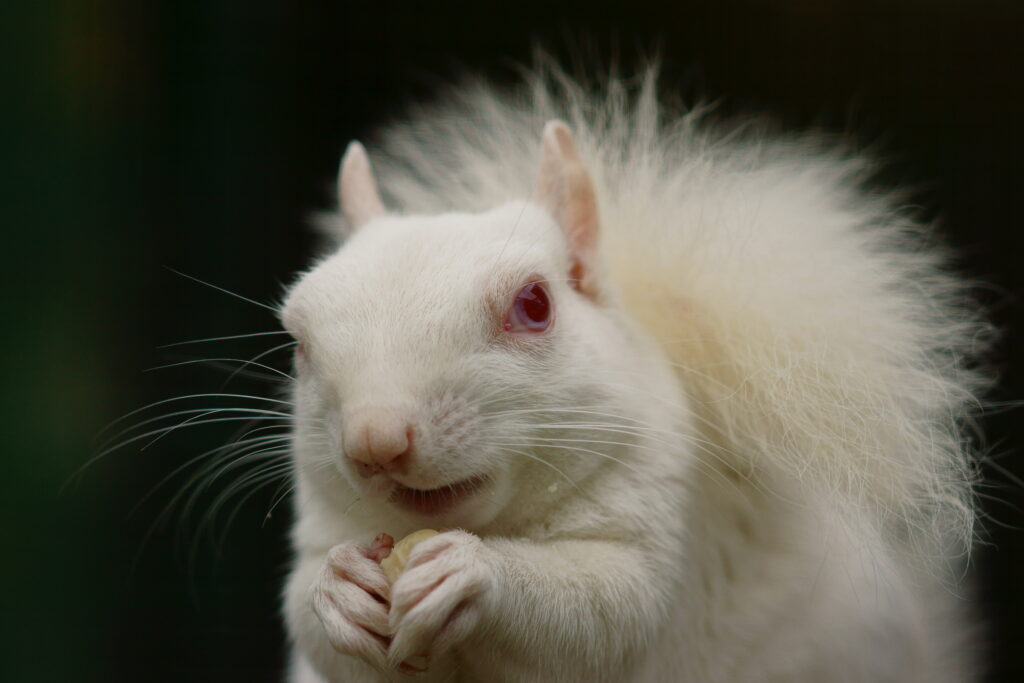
[[598, 600]]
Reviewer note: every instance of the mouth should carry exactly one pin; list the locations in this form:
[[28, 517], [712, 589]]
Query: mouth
[[436, 501]]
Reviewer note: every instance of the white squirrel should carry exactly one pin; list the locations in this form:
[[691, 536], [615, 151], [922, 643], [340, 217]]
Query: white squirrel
[[689, 404]]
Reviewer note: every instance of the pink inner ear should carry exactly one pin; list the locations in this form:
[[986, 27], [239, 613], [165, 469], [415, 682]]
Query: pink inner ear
[[357, 189], [576, 275], [565, 189]]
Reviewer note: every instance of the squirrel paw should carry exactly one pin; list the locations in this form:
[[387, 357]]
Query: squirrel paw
[[350, 597], [435, 601]]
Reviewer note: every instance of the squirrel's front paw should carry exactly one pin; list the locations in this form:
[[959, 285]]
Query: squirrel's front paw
[[435, 601], [350, 597]]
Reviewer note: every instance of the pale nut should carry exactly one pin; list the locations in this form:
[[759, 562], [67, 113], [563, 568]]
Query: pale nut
[[394, 564]]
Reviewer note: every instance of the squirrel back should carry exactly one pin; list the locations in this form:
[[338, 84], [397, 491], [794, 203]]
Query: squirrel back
[[813, 323]]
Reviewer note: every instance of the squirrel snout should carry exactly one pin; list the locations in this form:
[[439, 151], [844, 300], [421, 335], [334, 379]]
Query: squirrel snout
[[378, 441]]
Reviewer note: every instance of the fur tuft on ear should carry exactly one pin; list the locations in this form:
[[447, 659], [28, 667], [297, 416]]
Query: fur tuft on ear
[[357, 189], [565, 190]]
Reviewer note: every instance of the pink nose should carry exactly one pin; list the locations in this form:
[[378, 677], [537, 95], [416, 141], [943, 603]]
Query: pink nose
[[378, 441]]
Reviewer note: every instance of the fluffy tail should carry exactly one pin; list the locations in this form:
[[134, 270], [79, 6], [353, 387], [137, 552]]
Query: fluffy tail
[[812, 323]]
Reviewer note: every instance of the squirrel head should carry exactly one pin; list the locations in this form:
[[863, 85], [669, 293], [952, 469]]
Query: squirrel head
[[448, 363]]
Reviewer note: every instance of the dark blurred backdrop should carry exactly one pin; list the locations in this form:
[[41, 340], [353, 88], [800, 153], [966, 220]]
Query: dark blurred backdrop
[[200, 135]]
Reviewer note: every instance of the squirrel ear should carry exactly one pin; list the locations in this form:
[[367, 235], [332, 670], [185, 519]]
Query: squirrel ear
[[564, 188], [357, 190]]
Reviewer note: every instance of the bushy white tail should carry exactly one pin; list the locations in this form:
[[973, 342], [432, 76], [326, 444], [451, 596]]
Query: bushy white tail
[[811, 322]]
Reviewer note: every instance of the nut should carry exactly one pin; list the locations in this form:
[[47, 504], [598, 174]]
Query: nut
[[394, 564]]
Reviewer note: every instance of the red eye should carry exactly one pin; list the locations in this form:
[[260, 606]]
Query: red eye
[[531, 310]]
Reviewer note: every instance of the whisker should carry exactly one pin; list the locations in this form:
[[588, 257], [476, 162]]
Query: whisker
[[230, 336], [640, 424], [505, 447], [249, 372], [212, 411], [177, 413], [260, 474], [244, 364], [671, 440], [190, 396], [165, 512], [116, 447], [121, 445], [277, 498], [252, 361], [225, 291], [573, 448], [255, 480], [556, 411], [246, 444], [205, 479], [264, 480]]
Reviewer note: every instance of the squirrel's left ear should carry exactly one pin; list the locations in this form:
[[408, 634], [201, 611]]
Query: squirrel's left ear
[[564, 188], [357, 190]]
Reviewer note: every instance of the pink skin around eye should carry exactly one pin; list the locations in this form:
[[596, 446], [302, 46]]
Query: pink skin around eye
[[530, 312]]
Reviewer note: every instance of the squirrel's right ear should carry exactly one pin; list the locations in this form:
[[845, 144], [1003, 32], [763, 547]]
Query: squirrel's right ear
[[357, 190], [565, 189]]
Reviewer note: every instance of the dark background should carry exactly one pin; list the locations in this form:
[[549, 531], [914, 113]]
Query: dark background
[[200, 135]]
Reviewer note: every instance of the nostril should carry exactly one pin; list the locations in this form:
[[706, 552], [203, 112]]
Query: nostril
[[367, 469]]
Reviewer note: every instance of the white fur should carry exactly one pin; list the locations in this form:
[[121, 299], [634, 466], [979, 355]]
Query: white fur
[[770, 481]]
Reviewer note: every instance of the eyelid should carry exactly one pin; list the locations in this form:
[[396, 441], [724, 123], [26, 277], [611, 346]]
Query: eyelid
[[517, 285]]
